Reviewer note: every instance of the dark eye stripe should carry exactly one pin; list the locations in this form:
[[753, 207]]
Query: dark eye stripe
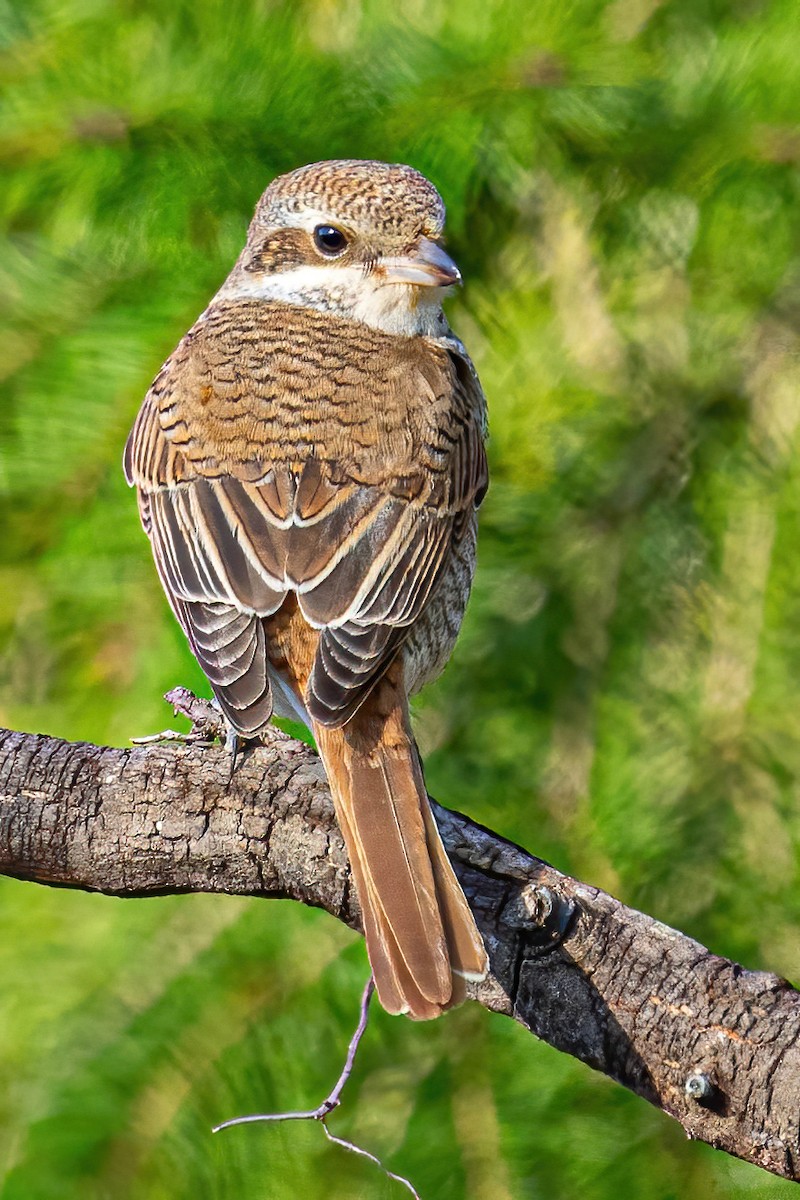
[[329, 240]]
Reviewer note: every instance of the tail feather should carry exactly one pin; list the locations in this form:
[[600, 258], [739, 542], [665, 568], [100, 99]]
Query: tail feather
[[465, 945], [421, 936], [397, 989]]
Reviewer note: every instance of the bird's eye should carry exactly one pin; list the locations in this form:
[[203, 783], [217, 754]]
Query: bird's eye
[[329, 240]]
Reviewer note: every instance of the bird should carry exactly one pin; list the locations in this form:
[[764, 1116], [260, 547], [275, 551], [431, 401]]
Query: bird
[[309, 462]]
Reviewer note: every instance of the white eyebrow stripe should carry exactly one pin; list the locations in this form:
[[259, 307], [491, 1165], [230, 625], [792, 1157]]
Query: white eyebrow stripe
[[308, 219]]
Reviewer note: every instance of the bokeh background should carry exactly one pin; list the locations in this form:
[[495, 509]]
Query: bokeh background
[[622, 185]]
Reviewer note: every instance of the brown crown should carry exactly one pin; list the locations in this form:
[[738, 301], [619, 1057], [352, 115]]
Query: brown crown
[[389, 195]]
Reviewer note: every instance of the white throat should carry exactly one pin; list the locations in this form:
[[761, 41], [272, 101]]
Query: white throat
[[347, 292]]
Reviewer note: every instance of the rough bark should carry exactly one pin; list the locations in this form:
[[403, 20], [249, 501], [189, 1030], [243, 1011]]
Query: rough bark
[[714, 1045]]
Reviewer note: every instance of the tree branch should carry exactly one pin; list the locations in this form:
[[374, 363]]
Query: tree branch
[[715, 1046]]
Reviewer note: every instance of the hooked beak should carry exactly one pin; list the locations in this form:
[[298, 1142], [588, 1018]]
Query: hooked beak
[[425, 266]]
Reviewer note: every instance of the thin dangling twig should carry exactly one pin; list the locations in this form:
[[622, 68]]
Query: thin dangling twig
[[332, 1101]]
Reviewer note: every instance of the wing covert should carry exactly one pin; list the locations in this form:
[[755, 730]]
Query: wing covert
[[350, 495]]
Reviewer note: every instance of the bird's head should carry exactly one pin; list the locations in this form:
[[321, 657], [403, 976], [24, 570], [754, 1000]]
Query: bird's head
[[355, 238]]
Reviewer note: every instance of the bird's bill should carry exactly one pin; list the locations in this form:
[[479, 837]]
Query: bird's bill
[[426, 266]]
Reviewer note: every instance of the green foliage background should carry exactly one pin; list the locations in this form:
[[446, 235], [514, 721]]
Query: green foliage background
[[622, 184]]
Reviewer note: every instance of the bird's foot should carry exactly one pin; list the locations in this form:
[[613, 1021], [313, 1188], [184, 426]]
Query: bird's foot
[[236, 746]]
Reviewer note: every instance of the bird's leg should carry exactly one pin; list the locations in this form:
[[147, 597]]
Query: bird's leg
[[236, 746], [208, 726]]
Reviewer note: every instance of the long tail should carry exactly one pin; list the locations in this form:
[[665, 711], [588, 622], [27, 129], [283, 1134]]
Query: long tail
[[421, 937]]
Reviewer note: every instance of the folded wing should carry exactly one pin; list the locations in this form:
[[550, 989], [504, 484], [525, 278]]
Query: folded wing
[[235, 529]]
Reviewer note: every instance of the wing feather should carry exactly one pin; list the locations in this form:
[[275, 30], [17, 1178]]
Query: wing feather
[[234, 660], [353, 494], [349, 662]]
